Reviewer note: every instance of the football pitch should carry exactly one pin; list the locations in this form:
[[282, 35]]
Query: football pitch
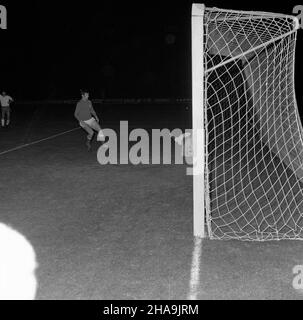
[[122, 231]]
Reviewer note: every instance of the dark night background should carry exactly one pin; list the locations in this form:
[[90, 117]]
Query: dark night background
[[116, 49]]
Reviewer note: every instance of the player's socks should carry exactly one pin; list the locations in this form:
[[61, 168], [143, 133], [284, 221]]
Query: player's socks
[[88, 144], [2, 122]]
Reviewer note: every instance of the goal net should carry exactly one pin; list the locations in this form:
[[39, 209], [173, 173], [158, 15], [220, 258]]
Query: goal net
[[250, 183]]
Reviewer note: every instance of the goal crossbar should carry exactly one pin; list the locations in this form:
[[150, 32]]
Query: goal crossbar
[[255, 14]]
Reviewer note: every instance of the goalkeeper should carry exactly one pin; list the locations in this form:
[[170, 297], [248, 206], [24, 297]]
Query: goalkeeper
[[88, 118]]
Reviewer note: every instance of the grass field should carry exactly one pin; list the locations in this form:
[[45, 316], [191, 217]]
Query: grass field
[[122, 231]]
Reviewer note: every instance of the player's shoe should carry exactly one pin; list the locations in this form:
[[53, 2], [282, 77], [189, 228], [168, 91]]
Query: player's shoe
[[100, 136], [88, 145]]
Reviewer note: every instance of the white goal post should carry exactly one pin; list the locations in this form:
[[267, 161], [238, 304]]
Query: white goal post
[[247, 133]]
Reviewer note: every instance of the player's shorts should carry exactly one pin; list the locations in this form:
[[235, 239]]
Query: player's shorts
[[6, 109], [89, 122]]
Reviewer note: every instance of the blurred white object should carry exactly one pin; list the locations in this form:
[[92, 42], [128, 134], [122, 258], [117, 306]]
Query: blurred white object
[[185, 140], [17, 266]]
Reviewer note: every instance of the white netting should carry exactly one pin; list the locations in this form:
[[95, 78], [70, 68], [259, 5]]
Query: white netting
[[254, 149]]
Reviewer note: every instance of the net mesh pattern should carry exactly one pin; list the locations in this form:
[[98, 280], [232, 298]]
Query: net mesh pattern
[[254, 145]]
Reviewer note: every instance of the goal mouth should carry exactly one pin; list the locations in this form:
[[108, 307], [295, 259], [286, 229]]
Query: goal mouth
[[251, 183]]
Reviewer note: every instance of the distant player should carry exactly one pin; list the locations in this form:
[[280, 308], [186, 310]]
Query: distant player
[[5, 102], [88, 118]]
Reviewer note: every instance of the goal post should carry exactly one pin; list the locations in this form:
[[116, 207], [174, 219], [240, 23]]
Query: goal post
[[198, 119], [247, 133]]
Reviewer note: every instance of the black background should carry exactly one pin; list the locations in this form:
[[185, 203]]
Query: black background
[[116, 49]]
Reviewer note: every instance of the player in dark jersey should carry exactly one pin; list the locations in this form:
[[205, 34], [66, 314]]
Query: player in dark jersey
[[88, 118]]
